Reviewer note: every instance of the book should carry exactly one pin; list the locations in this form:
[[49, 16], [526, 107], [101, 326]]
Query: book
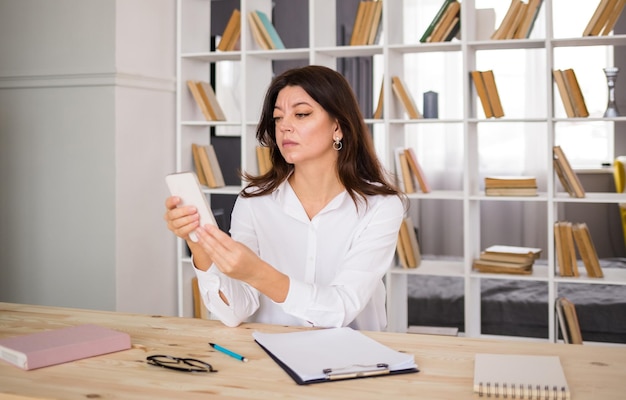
[[566, 174], [206, 100], [231, 33], [260, 40], [409, 243], [511, 254], [503, 267], [359, 24], [599, 18], [495, 181], [615, 14], [429, 30], [210, 166], [565, 249], [535, 252], [513, 191], [210, 99], [492, 93], [530, 16], [446, 23], [195, 154], [565, 95], [562, 323], [510, 186], [268, 30], [416, 170], [199, 309], [375, 25], [587, 250], [573, 88], [378, 113], [507, 21], [513, 26], [42, 349], [520, 376], [401, 92], [407, 179], [195, 92], [331, 354], [264, 160], [215, 166], [367, 23], [401, 251], [571, 319], [481, 91]]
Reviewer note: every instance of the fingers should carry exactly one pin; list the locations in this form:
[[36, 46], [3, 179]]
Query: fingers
[[180, 220], [222, 249]]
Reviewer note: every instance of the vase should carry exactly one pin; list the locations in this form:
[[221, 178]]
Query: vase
[[611, 77]]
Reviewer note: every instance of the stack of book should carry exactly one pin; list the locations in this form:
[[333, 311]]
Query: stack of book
[[232, 32], [404, 95], [510, 186], [568, 321], [206, 99], [570, 93], [263, 32], [501, 259], [568, 237], [446, 23], [207, 166], [485, 84], [518, 21], [409, 172], [408, 248], [367, 23], [604, 18], [566, 174]]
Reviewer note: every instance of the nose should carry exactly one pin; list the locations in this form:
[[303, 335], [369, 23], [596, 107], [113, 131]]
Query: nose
[[285, 124]]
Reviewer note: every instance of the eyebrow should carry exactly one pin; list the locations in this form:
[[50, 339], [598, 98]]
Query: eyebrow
[[299, 103]]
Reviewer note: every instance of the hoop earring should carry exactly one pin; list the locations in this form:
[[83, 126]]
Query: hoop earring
[[337, 145]]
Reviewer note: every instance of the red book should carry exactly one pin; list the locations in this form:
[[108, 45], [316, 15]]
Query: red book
[[59, 346]]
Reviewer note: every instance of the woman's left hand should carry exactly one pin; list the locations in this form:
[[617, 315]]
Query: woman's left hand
[[231, 257]]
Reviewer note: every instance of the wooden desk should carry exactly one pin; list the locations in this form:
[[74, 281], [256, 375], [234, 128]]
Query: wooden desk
[[446, 363]]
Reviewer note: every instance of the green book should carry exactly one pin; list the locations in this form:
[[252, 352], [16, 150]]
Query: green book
[[438, 16], [278, 43]]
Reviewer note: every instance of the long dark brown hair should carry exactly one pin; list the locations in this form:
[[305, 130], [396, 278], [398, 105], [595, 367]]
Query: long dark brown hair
[[358, 167]]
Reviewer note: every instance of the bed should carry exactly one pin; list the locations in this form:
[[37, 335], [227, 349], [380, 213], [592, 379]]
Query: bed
[[519, 308]]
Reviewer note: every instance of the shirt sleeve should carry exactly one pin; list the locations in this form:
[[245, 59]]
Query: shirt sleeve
[[360, 272], [243, 299]]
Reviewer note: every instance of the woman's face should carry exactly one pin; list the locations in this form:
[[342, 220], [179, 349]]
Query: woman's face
[[304, 130]]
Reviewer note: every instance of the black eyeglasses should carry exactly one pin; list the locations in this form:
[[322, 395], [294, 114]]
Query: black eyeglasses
[[180, 364]]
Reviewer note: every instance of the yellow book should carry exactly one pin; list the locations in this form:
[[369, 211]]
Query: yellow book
[[400, 90]]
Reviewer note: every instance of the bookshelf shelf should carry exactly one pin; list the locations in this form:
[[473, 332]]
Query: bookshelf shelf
[[394, 129]]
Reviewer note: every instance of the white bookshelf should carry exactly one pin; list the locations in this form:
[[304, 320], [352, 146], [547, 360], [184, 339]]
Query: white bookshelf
[[193, 61]]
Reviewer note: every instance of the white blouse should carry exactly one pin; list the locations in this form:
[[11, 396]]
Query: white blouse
[[335, 262]]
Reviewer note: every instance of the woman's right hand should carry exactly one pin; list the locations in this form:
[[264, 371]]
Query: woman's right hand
[[180, 220]]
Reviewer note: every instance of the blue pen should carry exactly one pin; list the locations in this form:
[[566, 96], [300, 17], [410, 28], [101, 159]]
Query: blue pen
[[226, 351]]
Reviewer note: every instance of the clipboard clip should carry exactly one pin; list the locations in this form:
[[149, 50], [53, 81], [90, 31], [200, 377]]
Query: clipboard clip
[[356, 371]]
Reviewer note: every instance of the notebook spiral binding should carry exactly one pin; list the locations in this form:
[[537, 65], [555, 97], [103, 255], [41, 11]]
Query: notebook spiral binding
[[514, 391]]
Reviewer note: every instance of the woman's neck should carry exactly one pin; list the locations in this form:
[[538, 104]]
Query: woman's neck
[[315, 188]]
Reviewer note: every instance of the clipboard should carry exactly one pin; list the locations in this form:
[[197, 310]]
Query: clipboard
[[333, 354]]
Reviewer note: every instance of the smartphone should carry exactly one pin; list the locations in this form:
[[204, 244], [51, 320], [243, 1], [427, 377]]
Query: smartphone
[[186, 186]]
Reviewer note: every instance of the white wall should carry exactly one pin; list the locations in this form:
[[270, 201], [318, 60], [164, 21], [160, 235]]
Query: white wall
[[87, 121]]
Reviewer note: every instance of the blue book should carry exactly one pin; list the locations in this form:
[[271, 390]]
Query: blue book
[[267, 24]]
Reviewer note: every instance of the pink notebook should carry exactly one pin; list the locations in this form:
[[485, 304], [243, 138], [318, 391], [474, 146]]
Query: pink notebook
[[58, 346]]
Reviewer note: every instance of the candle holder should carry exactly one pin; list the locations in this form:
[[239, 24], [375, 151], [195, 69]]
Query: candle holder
[[611, 77]]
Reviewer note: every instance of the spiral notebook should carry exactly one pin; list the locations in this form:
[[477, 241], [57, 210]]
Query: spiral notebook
[[519, 376]]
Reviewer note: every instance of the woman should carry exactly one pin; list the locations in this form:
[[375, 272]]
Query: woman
[[310, 240]]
